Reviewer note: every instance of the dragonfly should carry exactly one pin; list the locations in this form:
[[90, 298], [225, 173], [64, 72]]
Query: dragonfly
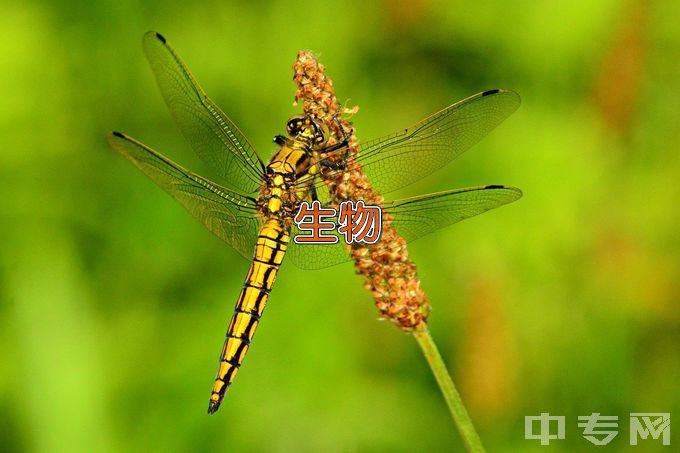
[[253, 205]]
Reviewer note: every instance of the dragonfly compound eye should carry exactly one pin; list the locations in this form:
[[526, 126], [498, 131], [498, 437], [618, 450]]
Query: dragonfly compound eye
[[320, 132], [295, 125]]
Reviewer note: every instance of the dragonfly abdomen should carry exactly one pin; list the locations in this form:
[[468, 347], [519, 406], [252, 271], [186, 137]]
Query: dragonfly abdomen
[[270, 249]]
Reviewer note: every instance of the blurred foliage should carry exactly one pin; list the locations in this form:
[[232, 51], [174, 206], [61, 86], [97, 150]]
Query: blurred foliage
[[114, 302]]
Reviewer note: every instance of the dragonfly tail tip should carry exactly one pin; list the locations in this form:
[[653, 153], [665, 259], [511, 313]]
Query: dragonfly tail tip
[[213, 406]]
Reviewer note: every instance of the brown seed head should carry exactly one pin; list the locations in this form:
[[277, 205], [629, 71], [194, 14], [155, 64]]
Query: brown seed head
[[388, 272]]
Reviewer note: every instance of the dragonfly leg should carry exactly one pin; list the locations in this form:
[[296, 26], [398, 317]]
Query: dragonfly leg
[[335, 146], [345, 138], [332, 165]]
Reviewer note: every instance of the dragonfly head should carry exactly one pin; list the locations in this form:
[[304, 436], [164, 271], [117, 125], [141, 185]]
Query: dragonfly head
[[308, 128]]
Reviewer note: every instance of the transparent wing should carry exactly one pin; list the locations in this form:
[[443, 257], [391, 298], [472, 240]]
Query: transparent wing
[[213, 136], [413, 218], [399, 159], [316, 256], [229, 215]]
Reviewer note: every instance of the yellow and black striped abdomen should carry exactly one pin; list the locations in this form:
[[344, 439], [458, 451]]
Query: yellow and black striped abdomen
[[269, 251]]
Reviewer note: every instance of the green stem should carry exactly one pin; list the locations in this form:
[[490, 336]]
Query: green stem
[[456, 406]]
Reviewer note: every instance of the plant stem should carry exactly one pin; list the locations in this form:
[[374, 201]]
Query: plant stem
[[456, 406]]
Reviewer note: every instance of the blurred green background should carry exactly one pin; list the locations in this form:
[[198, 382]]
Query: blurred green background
[[114, 302]]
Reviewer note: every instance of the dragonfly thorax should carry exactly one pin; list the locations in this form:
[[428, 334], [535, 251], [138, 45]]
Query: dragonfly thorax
[[285, 174]]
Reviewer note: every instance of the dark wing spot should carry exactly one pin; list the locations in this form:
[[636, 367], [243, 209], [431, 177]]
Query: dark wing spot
[[495, 186], [488, 92], [160, 38], [118, 134]]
